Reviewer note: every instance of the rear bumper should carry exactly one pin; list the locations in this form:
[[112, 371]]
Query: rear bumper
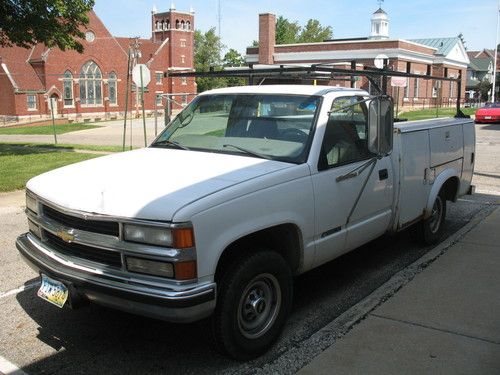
[[492, 119], [183, 304]]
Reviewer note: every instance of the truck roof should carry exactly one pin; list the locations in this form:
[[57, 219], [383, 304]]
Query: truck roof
[[284, 89]]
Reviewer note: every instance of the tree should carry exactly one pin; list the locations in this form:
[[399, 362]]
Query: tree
[[207, 47], [484, 88], [286, 32], [314, 32], [25, 23], [234, 59], [291, 32]]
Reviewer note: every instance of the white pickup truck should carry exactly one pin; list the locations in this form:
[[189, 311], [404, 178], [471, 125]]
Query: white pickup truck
[[245, 188]]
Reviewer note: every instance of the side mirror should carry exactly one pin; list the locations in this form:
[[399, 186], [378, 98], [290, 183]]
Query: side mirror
[[380, 125]]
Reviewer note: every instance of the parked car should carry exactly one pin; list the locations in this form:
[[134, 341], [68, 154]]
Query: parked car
[[489, 113]]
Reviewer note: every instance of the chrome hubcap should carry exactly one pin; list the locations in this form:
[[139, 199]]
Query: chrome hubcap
[[259, 306], [436, 215]]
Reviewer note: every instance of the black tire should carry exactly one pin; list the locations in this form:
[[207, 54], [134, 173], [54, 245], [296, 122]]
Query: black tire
[[253, 303], [430, 231]]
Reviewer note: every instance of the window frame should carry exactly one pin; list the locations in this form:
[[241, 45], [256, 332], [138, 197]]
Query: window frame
[[361, 100], [34, 102], [91, 77], [159, 75], [68, 80], [113, 82]]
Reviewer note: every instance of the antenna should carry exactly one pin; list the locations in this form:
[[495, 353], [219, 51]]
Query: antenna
[[219, 16]]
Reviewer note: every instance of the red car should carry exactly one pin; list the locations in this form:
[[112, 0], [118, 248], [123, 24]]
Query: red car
[[489, 113]]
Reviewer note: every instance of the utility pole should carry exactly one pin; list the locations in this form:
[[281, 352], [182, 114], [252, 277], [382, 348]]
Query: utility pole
[[219, 18], [136, 54], [495, 57]]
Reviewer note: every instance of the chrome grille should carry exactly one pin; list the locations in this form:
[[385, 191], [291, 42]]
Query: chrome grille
[[110, 258], [95, 226]]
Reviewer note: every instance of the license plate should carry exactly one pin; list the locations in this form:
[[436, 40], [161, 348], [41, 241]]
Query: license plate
[[487, 117], [53, 291]]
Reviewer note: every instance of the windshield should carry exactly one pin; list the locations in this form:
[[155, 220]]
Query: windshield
[[277, 127]]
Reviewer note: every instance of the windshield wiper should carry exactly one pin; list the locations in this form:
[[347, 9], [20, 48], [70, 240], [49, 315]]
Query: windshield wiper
[[171, 143], [249, 152]]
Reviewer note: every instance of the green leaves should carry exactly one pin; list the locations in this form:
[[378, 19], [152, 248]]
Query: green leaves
[[58, 23], [291, 32]]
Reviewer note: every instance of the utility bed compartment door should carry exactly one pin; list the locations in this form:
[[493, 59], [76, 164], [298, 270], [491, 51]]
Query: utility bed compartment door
[[446, 144]]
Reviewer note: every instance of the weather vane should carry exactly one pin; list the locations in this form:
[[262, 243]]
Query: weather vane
[[380, 3]]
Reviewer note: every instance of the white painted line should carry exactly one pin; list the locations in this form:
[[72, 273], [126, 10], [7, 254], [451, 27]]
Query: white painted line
[[20, 289], [8, 368]]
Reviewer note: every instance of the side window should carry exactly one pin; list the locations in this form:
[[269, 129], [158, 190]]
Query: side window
[[345, 139]]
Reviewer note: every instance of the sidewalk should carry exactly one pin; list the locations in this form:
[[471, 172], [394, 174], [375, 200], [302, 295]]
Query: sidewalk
[[446, 320], [109, 133]]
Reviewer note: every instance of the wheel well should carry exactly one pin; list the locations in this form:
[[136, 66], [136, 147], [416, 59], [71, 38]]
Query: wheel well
[[285, 239], [450, 189]]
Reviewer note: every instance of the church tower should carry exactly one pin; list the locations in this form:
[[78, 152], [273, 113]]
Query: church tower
[[178, 28], [380, 25]]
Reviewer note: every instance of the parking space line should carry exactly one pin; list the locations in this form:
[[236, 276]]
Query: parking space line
[[8, 368], [20, 289]]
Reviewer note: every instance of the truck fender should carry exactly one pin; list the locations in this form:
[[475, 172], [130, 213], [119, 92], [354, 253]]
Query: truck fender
[[436, 188]]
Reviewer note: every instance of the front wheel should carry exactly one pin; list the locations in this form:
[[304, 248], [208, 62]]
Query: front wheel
[[254, 300], [430, 230]]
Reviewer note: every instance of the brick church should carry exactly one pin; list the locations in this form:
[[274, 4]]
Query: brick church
[[38, 80], [441, 57]]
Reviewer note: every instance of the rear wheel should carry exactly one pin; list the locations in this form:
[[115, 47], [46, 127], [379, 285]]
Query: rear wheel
[[429, 231], [254, 300]]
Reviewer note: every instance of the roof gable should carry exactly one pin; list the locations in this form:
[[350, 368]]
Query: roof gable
[[450, 48]]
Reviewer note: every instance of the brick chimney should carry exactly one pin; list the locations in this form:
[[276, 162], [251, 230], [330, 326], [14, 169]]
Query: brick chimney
[[267, 38]]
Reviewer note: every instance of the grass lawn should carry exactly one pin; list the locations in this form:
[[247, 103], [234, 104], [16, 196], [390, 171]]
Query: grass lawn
[[66, 147], [424, 114], [18, 163], [46, 129]]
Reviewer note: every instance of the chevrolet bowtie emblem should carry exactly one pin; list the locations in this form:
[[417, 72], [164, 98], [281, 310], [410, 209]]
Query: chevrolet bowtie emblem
[[66, 236]]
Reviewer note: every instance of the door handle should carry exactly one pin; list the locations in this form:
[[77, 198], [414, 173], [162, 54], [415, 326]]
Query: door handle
[[383, 174]]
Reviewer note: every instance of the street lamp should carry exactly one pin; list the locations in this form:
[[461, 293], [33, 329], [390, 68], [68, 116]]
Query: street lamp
[[495, 57]]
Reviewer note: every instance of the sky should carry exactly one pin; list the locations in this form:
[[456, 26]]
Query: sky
[[409, 19]]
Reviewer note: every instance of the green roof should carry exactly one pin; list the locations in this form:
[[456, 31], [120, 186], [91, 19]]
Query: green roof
[[443, 45], [480, 64]]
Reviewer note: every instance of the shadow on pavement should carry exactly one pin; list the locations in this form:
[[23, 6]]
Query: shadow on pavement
[[491, 127]]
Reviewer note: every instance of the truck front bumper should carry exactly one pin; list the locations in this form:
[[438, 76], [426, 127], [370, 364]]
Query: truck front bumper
[[186, 303]]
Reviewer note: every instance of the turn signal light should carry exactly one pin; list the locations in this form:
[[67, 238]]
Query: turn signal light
[[183, 238], [185, 270]]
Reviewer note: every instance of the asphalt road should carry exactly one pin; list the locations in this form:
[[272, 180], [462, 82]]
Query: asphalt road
[[40, 338]]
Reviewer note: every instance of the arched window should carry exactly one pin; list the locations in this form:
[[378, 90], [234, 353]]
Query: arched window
[[167, 25], [183, 25], [68, 89], [112, 88], [188, 25], [90, 84], [159, 25], [177, 23]]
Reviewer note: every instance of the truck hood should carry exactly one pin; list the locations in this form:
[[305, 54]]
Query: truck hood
[[150, 183]]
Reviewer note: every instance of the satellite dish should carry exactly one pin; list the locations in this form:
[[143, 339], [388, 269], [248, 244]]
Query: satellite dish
[[379, 60]]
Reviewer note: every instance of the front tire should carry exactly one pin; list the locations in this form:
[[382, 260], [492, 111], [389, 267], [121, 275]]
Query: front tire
[[430, 231], [254, 300]]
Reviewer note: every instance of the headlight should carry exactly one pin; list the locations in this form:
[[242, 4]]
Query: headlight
[[31, 203], [170, 237], [150, 267]]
